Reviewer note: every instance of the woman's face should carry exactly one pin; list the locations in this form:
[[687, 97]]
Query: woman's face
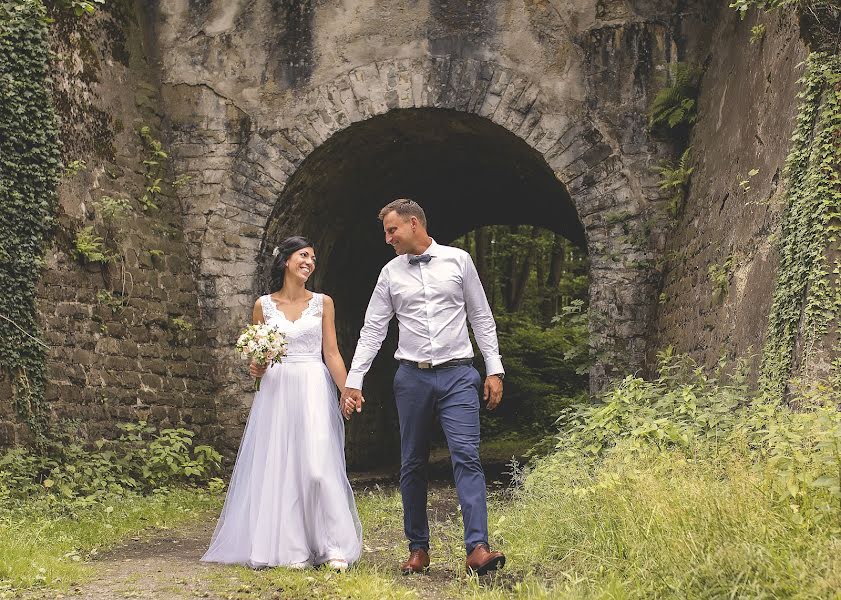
[[301, 263]]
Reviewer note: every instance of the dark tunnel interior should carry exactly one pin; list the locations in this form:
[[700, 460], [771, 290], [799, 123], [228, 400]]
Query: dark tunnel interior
[[463, 169]]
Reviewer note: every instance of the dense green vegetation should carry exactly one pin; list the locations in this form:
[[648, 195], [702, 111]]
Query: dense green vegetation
[[536, 282], [807, 297], [64, 505], [688, 486], [29, 173]]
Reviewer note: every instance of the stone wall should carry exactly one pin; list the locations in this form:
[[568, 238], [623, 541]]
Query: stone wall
[[251, 109], [720, 262], [307, 117], [126, 341]]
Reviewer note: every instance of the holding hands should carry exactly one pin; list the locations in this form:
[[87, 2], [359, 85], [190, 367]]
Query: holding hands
[[351, 400]]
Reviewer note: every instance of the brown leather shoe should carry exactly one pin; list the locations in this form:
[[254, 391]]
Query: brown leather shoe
[[482, 560], [418, 562]]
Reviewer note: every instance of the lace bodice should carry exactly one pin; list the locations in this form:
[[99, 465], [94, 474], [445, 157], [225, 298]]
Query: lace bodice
[[304, 335]]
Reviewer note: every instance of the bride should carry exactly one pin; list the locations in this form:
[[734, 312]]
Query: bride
[[289, 502]]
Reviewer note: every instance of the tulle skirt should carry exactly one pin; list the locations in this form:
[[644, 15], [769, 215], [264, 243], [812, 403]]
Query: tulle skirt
[[289, 500]]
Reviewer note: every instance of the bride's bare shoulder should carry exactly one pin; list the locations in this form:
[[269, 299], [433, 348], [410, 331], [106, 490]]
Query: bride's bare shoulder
[[326, 301], [257, 313]]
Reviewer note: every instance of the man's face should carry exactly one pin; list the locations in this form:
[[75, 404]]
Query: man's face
[[399, 232]]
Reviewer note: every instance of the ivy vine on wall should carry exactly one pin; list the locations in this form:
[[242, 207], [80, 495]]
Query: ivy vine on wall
[[30, 167], [807, 297]]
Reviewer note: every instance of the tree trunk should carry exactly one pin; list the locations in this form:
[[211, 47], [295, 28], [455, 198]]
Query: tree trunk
[[481, 242], [467, 241], [556, 270], [540, 272], [508, 271], [520, 282]]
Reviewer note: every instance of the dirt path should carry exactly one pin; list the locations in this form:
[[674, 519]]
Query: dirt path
[[165, 565], [162, 566]]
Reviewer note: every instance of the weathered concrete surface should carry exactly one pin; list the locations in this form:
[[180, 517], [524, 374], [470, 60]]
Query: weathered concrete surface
[[747, 112], [306, 117], [256, 92], [117, 353]]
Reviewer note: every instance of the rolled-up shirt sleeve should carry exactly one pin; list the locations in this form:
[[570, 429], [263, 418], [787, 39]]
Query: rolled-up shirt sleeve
[[481, 318], [377, 316]]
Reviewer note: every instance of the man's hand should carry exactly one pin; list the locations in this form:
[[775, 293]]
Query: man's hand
[[257, 370], [493, 391], [352, 399]]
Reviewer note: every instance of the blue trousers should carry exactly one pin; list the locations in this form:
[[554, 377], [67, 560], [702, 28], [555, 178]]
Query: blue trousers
[[452, 395]]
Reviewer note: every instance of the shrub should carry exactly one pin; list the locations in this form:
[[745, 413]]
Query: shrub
[[545, 368], [143, 459], [709, 416]]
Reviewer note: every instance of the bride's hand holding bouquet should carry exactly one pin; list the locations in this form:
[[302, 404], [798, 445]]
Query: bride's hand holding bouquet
[[263, 345]]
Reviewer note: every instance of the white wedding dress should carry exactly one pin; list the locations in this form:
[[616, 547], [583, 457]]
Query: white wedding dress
[[289, 501]]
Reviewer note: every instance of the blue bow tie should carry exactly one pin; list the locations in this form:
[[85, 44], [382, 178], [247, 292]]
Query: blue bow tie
[[423, 258]]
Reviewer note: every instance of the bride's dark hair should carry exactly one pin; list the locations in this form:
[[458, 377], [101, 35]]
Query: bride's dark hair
[[281, 256]]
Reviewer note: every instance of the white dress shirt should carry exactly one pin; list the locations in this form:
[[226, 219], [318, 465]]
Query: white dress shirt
[[433, 302]]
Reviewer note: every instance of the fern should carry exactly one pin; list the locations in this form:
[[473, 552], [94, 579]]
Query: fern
[[674, 178], [676, 104], [90, 247]]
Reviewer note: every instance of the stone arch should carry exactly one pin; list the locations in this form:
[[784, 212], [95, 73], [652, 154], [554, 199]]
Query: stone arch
[[258, 156]]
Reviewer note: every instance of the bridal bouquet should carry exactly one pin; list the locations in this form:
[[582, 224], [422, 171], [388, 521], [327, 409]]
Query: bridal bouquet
[[263, 344]]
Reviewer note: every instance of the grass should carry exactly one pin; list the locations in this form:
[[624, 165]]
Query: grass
[[363, 581], [46, 544], [684, 487], [660, 525], [638, 524], [381, 513]]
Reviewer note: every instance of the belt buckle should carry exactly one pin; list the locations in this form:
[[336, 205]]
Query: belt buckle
[[424, 365]]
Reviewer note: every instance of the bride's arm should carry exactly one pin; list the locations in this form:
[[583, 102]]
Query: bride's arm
[[330, 347], [257, 317]]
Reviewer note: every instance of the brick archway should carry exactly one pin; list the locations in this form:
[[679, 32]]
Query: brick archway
[[240, 184]]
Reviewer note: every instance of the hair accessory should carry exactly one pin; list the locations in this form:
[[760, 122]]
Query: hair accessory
[[276, 251]]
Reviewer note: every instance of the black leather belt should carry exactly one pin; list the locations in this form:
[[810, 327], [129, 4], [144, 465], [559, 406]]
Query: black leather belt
[[456, 362]]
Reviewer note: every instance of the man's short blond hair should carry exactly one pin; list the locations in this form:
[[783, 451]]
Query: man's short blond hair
[[405, 208]]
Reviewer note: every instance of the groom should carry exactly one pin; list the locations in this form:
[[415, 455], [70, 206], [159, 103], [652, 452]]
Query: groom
[[434, 290]]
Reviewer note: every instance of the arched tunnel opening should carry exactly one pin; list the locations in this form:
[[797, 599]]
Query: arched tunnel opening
[[466, 171]]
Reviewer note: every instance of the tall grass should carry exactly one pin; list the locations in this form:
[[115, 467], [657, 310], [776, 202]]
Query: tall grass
[[659, 524], [688, 486]]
